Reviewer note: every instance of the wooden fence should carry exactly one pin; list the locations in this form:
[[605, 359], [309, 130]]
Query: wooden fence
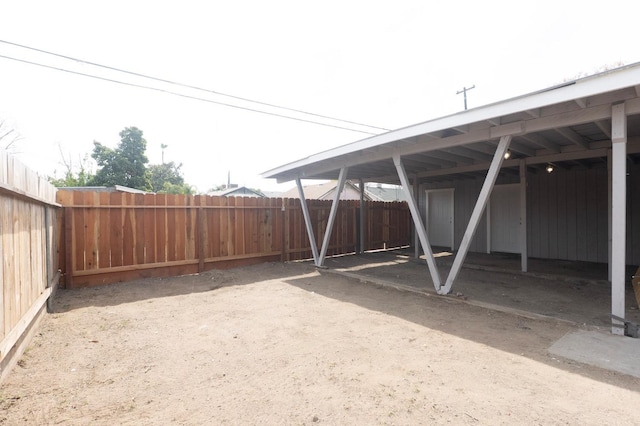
[[27, 249], [117, 236]]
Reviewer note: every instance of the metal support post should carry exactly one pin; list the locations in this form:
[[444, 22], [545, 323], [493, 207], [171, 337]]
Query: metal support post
[[485, 193], [618, 214], [417, 221], [307, 222], [362, 188], [524, 256], [332, 215]]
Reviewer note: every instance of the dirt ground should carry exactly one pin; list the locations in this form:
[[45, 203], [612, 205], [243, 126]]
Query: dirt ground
[[287, 344]]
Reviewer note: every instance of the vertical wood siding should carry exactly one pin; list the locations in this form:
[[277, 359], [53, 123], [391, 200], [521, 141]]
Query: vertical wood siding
[[566, 210]]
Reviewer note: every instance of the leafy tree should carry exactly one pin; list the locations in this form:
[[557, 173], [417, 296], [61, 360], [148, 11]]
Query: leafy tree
[[124, 165], [167, 178], [169, 188]]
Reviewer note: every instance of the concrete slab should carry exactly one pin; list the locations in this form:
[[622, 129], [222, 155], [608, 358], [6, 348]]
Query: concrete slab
[[560, 290], [617, 353]]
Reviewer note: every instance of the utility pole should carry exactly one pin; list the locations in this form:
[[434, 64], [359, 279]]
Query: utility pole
[[464, 90]]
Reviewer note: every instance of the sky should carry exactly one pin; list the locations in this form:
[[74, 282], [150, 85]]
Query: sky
[[384, 64]]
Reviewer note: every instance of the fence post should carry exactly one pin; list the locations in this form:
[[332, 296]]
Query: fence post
[[200, 234], [68, 247], [283, 249]]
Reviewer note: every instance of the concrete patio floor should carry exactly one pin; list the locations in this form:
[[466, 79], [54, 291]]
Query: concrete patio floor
[[574, 292], [578, 292]]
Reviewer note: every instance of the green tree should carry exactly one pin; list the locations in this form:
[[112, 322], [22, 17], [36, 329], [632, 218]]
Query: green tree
[[170, 188], [125, 165], [167, 178]]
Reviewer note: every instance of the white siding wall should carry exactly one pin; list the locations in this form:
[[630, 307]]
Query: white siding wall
[[567, 213]]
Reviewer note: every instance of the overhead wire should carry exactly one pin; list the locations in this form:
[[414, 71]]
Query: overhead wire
[[185, 95], [189, 87]]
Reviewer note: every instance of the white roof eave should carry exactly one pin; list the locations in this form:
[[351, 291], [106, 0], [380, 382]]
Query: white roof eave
[[612, 80]]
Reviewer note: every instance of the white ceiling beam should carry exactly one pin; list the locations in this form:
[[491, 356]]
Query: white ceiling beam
[[604, 127], [573, 137], [487, 148], [540, 141], [474, 156], [598, 150], [521, 149], [431, 161], [582, 102], [326, 161], [461, 129], [444, 155], [534, 113]]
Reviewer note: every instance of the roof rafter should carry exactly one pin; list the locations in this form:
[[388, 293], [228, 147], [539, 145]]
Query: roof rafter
[[604, 128], [572, 136], [540, 141], [561, 113]]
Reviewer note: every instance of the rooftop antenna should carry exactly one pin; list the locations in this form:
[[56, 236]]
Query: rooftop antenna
[[464, 90]]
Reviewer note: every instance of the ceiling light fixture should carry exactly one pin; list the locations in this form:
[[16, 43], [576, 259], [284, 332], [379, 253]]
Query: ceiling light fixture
[[507, 155], [549, 168]]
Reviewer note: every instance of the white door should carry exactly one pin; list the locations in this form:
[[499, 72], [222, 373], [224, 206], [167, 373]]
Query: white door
[[504, 222], [440, 217]]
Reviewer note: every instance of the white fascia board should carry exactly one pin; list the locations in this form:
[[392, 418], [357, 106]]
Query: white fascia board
[[619, 78]]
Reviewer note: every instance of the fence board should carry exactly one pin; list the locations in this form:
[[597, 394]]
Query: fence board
[[180, 227], [213, 224], [161, 228], [25, 256], [139, 229], [128, 236], [150, 235], [190, 227], [104, 232], [92, 230], [157, 235]]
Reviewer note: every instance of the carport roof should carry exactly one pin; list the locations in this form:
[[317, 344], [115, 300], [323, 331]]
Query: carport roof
[[568, 125]]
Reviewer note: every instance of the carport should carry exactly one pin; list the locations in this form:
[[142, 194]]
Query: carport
[[585, 133]]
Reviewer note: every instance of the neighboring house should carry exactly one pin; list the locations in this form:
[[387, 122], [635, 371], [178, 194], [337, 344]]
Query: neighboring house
[[386, 193], [237, 191], [326, 191], [273, 194]]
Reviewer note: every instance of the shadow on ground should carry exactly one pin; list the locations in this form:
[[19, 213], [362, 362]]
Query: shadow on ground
[[532, 313], [577, 292], [153, 288]]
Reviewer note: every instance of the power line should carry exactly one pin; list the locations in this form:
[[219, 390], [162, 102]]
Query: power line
[[184, 95], [196, 88]]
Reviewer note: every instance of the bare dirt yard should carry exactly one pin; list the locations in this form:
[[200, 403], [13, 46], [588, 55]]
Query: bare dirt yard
[[287, 344]]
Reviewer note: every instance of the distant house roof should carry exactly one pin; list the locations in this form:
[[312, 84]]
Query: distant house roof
[[387, 193], [325, 191], [241, 191], [273, 194]]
